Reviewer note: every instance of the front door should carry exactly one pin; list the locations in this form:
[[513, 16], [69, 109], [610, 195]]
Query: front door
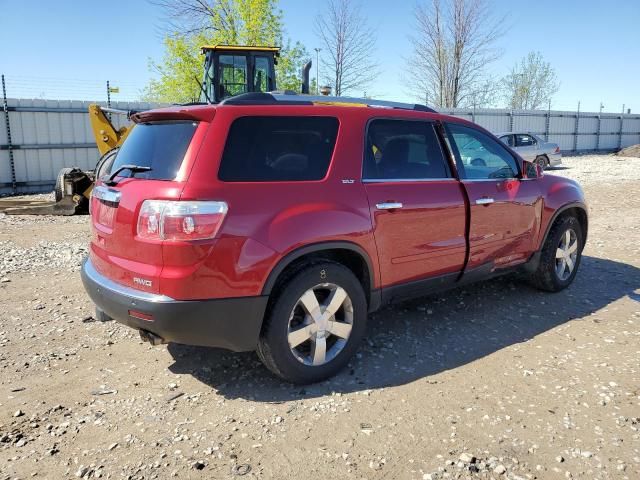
[[417, 206], [504, 209]]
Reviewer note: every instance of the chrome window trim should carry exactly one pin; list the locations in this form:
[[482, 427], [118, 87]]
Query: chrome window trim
[[108, 284], [382, 180], [488, 179], [106, 194]]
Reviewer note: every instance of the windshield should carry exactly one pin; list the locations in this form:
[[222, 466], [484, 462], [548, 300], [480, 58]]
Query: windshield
[[158, 145]]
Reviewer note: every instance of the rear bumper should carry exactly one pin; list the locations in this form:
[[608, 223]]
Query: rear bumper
[[231, 323]]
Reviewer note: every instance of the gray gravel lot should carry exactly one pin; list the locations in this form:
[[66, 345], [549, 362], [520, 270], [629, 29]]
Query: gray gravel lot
[[495, 380]]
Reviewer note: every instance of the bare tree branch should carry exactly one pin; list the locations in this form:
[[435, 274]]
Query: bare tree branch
[[453, 44], [349, 43]]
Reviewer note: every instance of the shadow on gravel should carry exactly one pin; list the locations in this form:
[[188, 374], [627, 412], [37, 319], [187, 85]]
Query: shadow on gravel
[[428, 335]]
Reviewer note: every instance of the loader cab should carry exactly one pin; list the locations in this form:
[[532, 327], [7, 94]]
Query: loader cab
[[233, 70]]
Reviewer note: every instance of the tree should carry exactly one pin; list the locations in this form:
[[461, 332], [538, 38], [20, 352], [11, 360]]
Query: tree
[[289, 67], [454, 43], [235, 22], [531, 83], [177, 72], [193, 23], [349, 43]]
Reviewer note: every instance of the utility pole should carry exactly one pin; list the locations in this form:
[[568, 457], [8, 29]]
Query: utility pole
[[317, 70]]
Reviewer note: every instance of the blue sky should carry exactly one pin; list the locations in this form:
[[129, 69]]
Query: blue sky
[[70, 50]]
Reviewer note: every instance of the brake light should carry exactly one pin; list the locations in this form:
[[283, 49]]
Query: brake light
[[557, 150], [180, 220]]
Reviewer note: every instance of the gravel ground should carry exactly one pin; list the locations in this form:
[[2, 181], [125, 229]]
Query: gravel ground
[[495, 380]]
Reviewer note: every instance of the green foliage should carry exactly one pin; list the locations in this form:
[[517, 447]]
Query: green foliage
[[177, 72], [232, 22], [531, 84], [289, 67]]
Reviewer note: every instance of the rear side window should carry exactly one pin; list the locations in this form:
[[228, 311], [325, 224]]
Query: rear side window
[[277, 149], [523, 140], [403, 150], [160, 145]]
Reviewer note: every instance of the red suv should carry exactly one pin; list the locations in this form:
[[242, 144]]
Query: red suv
[[276, 223]]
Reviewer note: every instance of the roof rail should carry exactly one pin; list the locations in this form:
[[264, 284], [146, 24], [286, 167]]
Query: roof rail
[[355, 101], [292, 98], [259, 98]]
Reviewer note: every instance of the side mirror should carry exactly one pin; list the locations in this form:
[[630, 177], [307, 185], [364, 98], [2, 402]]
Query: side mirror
[[531, 170]]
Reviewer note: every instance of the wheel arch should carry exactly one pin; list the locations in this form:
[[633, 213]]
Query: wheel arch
[[349, 254], [576, 209]]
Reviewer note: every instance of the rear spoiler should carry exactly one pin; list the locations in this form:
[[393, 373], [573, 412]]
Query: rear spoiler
[[200, 113]]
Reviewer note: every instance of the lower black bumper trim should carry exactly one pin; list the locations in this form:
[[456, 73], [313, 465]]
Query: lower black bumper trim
[[230, 323]]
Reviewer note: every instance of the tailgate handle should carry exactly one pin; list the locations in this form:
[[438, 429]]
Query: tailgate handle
[[106, 194], [484, 201]]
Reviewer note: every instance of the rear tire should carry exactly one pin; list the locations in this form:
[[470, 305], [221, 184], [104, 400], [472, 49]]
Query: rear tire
[[560, 256], [302, 344], [542, 161]]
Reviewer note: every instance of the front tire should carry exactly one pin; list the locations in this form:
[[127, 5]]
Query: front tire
[[560, 256], [314, 324]]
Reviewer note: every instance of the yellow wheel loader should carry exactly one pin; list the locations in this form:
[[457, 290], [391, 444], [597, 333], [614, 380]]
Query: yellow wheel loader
[[228, 70]]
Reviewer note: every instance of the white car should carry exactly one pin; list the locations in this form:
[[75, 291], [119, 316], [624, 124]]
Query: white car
[[533, 148]]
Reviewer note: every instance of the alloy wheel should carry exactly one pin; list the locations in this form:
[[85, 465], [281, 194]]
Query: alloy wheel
[[320, 324], [566, 254]]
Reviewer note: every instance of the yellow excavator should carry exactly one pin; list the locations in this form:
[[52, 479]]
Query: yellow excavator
[[229, 70]]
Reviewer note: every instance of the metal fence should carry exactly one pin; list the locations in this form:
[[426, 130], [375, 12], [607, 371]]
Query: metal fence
[[572, 131], [40, 137]]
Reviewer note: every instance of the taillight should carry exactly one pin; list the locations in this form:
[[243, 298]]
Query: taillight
[[557, 150], [180, 220]]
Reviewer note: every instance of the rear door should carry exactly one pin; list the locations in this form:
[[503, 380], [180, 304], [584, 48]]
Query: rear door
[[417, 207], [526, 146], [116, 250], [504, 209]]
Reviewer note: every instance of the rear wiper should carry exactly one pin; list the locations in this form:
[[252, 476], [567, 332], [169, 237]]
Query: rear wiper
[[110, 181]]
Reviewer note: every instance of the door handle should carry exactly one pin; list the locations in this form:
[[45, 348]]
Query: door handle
[[484, 201], [388, 205]]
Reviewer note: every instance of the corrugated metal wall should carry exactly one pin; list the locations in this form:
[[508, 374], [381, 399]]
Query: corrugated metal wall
[[49, 136], [55, 134], [572, 131]]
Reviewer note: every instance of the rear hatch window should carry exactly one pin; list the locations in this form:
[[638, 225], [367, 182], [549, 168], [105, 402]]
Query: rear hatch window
[[160, 146], [276, 149]]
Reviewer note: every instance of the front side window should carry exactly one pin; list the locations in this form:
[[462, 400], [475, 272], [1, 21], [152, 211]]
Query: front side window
[[524, 140], [403, 150], [479, 156], [277, 149], [233, 75]]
